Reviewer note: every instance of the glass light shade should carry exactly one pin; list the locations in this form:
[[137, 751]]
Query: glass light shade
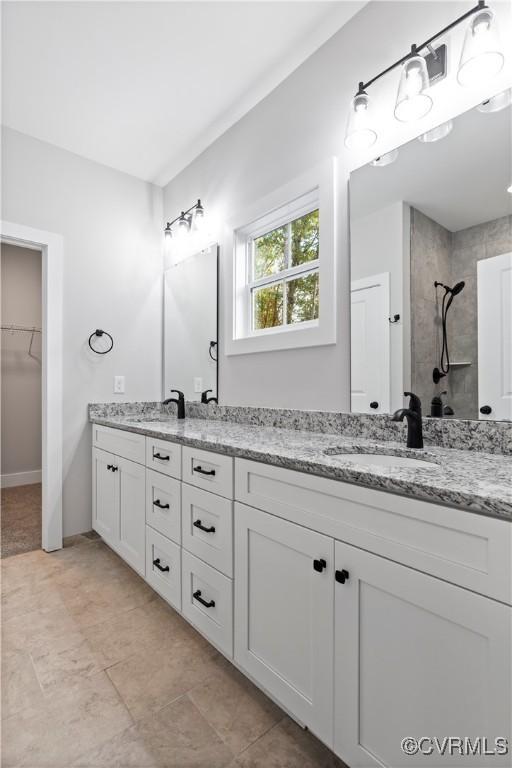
[[481, 56], [386, 159], [412, 102], [437, 133], [183, 226], [509, 190], [496, 103], [168, 232], [359, 134], [199, 219]]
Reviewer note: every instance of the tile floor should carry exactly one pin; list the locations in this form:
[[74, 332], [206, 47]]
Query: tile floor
[[99, 672], [21, 519]]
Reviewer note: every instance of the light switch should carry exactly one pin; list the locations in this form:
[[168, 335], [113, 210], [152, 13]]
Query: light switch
[[198, 384], [119, 385]]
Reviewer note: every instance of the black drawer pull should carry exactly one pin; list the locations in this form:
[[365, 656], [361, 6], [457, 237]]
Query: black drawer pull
[[341, 576], [162, 568], [198, 524], [319, 565], [197, 596], [110, 466], [159, 456], [158, 503], [204, 471]]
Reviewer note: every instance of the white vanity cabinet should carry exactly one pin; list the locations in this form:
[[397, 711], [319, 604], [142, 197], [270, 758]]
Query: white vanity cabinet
[[415, 656], [105, 496], [284, 620], [370, 617], [119, 493]]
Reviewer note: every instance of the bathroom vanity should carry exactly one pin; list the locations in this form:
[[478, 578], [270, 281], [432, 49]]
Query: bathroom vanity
[[370, 602]]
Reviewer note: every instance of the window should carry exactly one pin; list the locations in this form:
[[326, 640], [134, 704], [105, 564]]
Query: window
[[284, 268]]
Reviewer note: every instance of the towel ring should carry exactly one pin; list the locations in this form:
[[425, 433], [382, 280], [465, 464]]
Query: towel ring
[[99, 333]]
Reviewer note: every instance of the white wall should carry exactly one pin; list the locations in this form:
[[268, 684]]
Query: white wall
[[20, 275], [380, 242], [112, 279], [297, 126]]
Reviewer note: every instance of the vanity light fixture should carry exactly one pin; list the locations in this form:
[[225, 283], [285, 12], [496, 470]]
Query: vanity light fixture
[[360, 133], [435, 134], [412, 101], [496, 103], [192, 217], [422, 67], [481, 55]]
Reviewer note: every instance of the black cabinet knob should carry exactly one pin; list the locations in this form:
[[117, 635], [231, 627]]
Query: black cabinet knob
[[319, 565], [486, 410], [374, 404], [341, 576]]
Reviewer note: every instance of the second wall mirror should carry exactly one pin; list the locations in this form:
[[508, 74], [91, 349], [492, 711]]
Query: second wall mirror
[[431, 272], [191, 327]]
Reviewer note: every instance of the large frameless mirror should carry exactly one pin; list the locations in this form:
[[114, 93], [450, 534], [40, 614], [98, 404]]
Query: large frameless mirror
[[431, 271], [190, 327]]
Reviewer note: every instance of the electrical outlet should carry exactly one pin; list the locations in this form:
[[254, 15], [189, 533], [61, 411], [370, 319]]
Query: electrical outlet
[[119, 385], [198, 384]]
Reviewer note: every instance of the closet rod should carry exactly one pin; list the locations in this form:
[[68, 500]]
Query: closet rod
[[23, 328]]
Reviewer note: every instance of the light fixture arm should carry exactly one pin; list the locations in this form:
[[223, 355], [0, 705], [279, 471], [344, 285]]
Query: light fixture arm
[[183, 215], [416, 48]]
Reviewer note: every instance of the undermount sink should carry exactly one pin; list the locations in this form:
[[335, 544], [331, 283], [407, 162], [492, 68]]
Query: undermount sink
[[381, 460]]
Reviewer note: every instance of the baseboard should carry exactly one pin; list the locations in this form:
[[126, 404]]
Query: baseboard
[[21, 478]]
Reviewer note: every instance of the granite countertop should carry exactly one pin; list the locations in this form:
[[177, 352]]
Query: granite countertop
[[471, 480]]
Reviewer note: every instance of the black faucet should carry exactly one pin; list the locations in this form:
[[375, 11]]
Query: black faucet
[[180, 402], [414, 420], [205, 399]]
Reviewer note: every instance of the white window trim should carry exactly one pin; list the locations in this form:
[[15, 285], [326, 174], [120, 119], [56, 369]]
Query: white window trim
[[315, 189]]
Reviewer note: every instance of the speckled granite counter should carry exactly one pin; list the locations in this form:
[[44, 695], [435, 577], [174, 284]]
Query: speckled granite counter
[[475, 481]]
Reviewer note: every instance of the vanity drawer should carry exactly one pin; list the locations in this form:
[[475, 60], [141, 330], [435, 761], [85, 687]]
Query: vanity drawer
[[214, 616], [163, 504], [129, 445], [164, 457], [207, 525], [210, 471], [473, 551], [163, 567]]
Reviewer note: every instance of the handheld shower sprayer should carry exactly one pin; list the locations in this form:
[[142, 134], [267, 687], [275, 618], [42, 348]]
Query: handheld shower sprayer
[[449, 293]]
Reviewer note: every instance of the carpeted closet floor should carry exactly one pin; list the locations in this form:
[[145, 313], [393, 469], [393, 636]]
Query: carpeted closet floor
[[21, 519]]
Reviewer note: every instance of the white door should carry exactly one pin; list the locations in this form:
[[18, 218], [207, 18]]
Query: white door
[[131, 543], [495, 337], [416, 657], [105, 495], [370, 355], [284, 614]]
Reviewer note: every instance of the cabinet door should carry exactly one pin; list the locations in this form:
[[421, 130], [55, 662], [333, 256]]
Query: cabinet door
[[131, 543], [105, 495], [284, 620], [418, 657]]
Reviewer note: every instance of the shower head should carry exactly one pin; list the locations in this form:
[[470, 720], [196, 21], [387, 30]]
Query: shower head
[[457, 288]]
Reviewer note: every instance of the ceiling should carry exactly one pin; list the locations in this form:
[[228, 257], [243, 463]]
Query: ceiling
[[144, 87], [459, 181]]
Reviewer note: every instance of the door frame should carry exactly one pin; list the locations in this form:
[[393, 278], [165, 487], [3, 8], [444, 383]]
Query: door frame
[[51, 246]]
